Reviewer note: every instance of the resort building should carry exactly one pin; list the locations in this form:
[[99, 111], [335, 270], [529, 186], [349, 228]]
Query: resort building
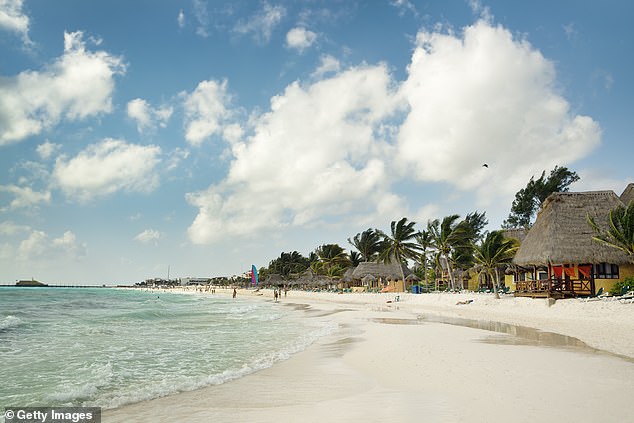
[[559, 258], [373, 276]]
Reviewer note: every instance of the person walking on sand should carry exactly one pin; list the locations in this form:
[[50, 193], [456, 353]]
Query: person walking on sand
[[234, 292], [275, 295]]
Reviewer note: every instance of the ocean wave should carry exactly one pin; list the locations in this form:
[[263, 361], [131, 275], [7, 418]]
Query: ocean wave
[[9, 322], [70, 395], [98, 375], [172, 385]]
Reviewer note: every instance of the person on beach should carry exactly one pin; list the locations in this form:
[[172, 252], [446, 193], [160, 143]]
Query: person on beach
[[275, 295], [234, 292]]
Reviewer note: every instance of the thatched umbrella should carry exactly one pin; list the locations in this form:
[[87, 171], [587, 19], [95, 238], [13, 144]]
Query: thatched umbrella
[[347, 276], [561, 233], [411, 278], [368, 279], [275, 279]]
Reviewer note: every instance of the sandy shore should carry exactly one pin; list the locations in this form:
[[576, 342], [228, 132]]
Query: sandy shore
[[396, 362]]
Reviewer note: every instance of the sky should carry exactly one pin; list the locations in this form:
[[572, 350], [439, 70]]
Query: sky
[[206, 136]]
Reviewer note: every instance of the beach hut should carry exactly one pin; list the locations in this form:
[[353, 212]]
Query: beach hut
[[560, 243], [384, 274]]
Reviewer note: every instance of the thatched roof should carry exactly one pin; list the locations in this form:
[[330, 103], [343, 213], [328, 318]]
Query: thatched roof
[[347, 276], [628, 194], [368, 279], [517, 234], [274, 279], [386, 271], [561, 233]]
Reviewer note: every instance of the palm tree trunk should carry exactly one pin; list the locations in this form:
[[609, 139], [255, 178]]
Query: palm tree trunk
[[449, 270], [495, 283]]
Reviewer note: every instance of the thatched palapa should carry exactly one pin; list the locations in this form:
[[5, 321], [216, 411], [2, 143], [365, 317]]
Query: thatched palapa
[[518, 234], [384, 271], [561, 233]]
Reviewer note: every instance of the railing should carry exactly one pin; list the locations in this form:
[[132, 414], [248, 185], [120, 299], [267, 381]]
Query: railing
[[563, 287]]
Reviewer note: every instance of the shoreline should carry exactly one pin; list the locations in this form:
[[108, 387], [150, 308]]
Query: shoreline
[[385, 363], [604, 325]]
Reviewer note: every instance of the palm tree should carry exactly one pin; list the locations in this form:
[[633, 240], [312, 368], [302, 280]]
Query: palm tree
[[444, 236], [424, 240], [368, 243], [493, 252], [467, 234], [453, 240], [400, 245], [355, 258], [330, 256], [620, 232], [288, 263]]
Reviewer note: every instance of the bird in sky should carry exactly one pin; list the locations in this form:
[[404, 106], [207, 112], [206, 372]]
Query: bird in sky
[[485, 165]]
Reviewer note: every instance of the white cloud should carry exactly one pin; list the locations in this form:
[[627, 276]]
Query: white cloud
[[47, 150], [148, 235], [315, 154], [147, 117], [205, 111], [262, 23], [202, 16], [335, 147], [176, 157], [77, 85], [25, 197], [481, 11], [571, 31], [108, 167], [13, 19], [300, 38], [404, 6], [39, 246], [9, 228], [328, 64], [181, 19], [486, 98]]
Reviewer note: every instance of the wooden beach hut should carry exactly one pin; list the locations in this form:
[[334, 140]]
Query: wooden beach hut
[[384, 274], [560, 247]]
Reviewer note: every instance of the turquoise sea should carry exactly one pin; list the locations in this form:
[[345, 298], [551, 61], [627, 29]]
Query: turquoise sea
[[108, 347]]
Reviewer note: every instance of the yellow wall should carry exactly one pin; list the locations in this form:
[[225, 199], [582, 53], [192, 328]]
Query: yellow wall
[[625, 271], [510, 282], [397, 286]]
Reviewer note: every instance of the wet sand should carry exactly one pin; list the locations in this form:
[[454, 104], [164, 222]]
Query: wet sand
[[395, 362]]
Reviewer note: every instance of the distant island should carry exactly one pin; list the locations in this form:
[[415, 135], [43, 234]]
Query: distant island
[[32, 282]]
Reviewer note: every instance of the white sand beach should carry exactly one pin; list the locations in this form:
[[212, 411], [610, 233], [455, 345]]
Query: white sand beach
[[513, 359]]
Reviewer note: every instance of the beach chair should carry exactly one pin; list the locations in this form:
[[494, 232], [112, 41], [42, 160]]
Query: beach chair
[[628, 298], [598, 296]]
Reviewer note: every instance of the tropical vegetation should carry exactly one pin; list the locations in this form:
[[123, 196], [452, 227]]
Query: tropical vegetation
[[493, 252], [528, 200], [620, 231]]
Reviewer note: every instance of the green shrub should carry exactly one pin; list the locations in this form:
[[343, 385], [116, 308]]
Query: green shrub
[[623, 286]]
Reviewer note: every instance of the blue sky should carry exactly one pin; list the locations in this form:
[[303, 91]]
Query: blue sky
[[208, 136]]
